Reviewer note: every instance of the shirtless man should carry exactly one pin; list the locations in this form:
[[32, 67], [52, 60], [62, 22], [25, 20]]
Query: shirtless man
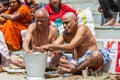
[[78, 40], [40, 33]]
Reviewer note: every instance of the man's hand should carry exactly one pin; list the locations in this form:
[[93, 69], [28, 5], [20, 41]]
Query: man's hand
[[2, 20], [40, 49], [6, 16], [29, 51], [44, 48]]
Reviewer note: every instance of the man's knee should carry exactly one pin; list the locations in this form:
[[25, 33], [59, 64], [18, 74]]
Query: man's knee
[[97, 54], [12, 59], [55, 59], [15, 59]]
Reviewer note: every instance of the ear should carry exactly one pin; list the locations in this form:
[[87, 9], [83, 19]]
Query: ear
[[76, 19]]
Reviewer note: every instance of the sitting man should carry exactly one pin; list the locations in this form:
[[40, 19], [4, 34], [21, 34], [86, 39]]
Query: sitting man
[[78, 40], [39, 33]]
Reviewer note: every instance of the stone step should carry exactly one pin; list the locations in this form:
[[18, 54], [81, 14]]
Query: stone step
[[76, 4], [107, 32], [69, 1], [83, 4]]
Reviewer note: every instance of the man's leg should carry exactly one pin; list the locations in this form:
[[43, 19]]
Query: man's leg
[[105, 5], [16, 60], [61, 63], [114, 5], [93, 61], [119, 9], [53, 60], [106, 8], [118, 4]]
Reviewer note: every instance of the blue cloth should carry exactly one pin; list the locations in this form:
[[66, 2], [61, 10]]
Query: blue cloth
[[56, 9], [42, 5], [105, 54], [80, 60], [58, 22]]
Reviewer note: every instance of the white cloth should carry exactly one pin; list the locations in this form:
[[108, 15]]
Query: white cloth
[[23, 34], [85, 17], [4, 50]]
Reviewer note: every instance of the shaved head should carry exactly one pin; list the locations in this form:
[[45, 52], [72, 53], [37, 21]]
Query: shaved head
[[69, 15], [41, 17], [42, 11]]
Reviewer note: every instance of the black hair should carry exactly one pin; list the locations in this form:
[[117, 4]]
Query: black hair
[[4, 2], [19, 2], [35, 6]]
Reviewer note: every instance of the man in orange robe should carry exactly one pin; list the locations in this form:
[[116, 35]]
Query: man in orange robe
[[17, 18]]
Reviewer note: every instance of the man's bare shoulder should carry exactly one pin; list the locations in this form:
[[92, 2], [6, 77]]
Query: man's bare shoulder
[[32, 26], [53, 29], [83, 28]]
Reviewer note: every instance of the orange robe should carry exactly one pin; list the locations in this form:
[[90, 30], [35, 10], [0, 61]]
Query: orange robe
[[11, 29]]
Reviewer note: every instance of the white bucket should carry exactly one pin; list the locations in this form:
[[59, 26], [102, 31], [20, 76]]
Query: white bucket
[[35, 64]]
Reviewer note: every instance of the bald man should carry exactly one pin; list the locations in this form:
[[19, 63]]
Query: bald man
[[40, 33], [78, 41]]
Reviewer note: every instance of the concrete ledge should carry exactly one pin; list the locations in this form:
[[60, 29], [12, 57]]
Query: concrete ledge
[[107, 32]]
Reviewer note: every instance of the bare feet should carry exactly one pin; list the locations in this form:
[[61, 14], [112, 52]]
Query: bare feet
[[117, 24], [110, 22], [100, 9]]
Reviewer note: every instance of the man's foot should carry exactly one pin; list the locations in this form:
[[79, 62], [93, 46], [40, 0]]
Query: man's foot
[[117, 24], [110, 22]]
